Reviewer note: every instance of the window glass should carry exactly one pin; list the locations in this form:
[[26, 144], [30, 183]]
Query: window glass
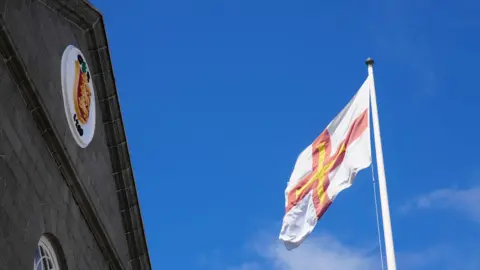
[[45, 256]]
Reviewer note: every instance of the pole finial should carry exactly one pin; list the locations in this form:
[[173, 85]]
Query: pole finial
[[369, 61]]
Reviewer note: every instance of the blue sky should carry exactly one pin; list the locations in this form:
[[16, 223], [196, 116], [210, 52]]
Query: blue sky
[[220, 97]]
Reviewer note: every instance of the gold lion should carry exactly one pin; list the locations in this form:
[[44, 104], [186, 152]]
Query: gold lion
[[82, 95]]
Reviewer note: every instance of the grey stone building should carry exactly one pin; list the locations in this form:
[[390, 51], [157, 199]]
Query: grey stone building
[[67, 191]]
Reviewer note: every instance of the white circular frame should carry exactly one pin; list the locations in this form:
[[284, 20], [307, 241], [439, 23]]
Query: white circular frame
[[45, 253], [83, 133]]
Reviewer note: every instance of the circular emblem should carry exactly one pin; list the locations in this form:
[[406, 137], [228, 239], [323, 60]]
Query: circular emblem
[[78, 95]]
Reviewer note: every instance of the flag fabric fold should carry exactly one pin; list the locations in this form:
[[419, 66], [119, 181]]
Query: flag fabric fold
[[326, 167]]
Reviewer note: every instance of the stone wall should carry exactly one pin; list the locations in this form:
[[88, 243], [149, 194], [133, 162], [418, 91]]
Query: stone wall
[[34, 196], [48, 184]]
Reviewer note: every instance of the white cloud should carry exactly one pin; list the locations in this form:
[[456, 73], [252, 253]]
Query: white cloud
[[325, 252], [465, 201], [322, 252]]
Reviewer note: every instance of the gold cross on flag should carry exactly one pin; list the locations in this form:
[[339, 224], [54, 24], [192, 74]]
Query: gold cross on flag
[[326, 167]]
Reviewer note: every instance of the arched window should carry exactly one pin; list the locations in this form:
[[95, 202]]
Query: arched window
[[45, 256]]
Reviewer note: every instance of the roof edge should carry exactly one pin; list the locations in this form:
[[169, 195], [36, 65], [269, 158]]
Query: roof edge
[[83, 14]]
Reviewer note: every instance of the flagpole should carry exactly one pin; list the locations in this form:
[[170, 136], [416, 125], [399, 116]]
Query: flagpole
[[382, 183]]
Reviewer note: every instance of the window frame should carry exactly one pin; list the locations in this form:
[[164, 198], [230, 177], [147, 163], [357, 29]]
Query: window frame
[[50, 251]]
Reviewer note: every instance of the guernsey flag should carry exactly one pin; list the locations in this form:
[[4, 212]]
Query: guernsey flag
[[326, 167]]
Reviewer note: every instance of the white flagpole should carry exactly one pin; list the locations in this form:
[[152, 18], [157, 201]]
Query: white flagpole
[[382, 183]]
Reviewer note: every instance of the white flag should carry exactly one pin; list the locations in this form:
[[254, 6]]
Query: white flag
[[326, 167]]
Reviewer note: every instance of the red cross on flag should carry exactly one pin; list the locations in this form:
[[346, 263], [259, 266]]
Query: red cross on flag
[[326, 167]]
